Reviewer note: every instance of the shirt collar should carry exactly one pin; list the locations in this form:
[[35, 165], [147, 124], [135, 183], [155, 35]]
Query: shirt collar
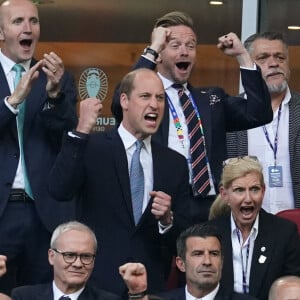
[[57, 293], [287, 97], [128, 139], [210, 296], [254, 229], [7, 63], [168, 83]]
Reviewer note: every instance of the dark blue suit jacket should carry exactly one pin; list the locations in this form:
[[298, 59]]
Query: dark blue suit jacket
[[97, 170], [179, 294], [219, 113], [277, 240], [43, 130], [45, 292]]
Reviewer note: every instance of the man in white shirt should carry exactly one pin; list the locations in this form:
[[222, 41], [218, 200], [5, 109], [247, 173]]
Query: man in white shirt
[[276, 144]]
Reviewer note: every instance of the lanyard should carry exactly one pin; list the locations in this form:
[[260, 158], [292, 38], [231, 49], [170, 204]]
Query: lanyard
[[178, 125], [275, 147], [244, 267]]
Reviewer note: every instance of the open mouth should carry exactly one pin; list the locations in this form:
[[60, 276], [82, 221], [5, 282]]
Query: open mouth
[[247, 211], [26, 43], [182, 66], [151, 117]]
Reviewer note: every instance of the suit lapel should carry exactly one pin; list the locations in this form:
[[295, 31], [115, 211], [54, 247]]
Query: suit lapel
[[33, 100], [201, 99], [45, 292], [262, 253], [121, 166], [227, 271], [5, 91]]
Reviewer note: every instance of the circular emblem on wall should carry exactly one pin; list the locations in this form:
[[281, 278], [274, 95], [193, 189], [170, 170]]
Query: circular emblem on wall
[[93, 83]]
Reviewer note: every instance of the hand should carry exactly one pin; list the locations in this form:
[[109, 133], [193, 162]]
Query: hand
[[3, 259], [161, 207], [134, 276], [24, 86], [159, 38], [54, 68], [89, 111], [231, 45]]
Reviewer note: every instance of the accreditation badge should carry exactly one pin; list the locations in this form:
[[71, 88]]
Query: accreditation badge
[[275, 176]]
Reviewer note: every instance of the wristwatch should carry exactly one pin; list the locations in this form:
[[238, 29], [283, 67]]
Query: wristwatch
[[151, 51]]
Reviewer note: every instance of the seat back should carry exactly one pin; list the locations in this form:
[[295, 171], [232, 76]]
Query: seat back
[[292, 215]]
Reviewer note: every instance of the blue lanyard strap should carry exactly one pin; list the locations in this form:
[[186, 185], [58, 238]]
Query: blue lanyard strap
[[244, 267], [275, 147], [178, 125]]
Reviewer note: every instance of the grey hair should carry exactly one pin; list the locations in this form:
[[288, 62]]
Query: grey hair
[[68, 226]]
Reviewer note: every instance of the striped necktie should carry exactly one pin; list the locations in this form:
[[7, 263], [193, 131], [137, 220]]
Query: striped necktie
[[20, 122], [200, 175], [137, 182]]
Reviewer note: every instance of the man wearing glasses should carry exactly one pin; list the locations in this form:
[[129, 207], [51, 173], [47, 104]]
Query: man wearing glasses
[[72, 254]]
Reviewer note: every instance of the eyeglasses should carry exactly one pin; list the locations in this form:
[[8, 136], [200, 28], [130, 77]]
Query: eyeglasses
[[234, 160], [70, 257]]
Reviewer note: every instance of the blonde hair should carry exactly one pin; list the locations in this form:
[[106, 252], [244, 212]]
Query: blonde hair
[[218, 208], [239, 167]]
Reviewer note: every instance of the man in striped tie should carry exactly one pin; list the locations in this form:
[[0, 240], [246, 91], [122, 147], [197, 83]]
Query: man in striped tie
[[196, 119]]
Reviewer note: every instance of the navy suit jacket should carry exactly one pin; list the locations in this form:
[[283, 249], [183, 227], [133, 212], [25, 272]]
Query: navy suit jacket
[[45, 292], [179, 294], [277, 240], [96, 170], [43, 130], [219, 113]]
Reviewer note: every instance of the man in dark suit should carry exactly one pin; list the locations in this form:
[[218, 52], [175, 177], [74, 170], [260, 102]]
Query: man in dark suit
[[40, 98], [173, 52], [72, 255], [200, 257], [277, 143], [96, 167]]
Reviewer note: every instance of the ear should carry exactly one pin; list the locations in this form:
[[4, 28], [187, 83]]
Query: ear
[[51, 257], [180, 264], [224, 195], [159, 60], [124, 101]]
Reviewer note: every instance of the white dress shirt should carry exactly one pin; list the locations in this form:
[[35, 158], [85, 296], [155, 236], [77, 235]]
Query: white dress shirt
[[276, 198], [210, 296], [57, 293], [242, 261]]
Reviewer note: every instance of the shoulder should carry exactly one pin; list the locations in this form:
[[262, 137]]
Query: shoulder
[[165, 153], [237, 296], [178, 294], [282, 228], [92, 292], [30, 290]]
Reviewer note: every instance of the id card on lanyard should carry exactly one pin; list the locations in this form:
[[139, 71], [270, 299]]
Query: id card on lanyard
[[275, 171]]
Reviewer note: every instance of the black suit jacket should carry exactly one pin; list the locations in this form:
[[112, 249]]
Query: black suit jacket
[[219, 113], [43, 130], [179, 294], [45, 292], [97, 171], [277, 240]]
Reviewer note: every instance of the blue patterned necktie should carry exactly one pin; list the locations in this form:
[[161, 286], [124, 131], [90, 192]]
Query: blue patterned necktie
[[20, 121], [137, 182], [200, 176]]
